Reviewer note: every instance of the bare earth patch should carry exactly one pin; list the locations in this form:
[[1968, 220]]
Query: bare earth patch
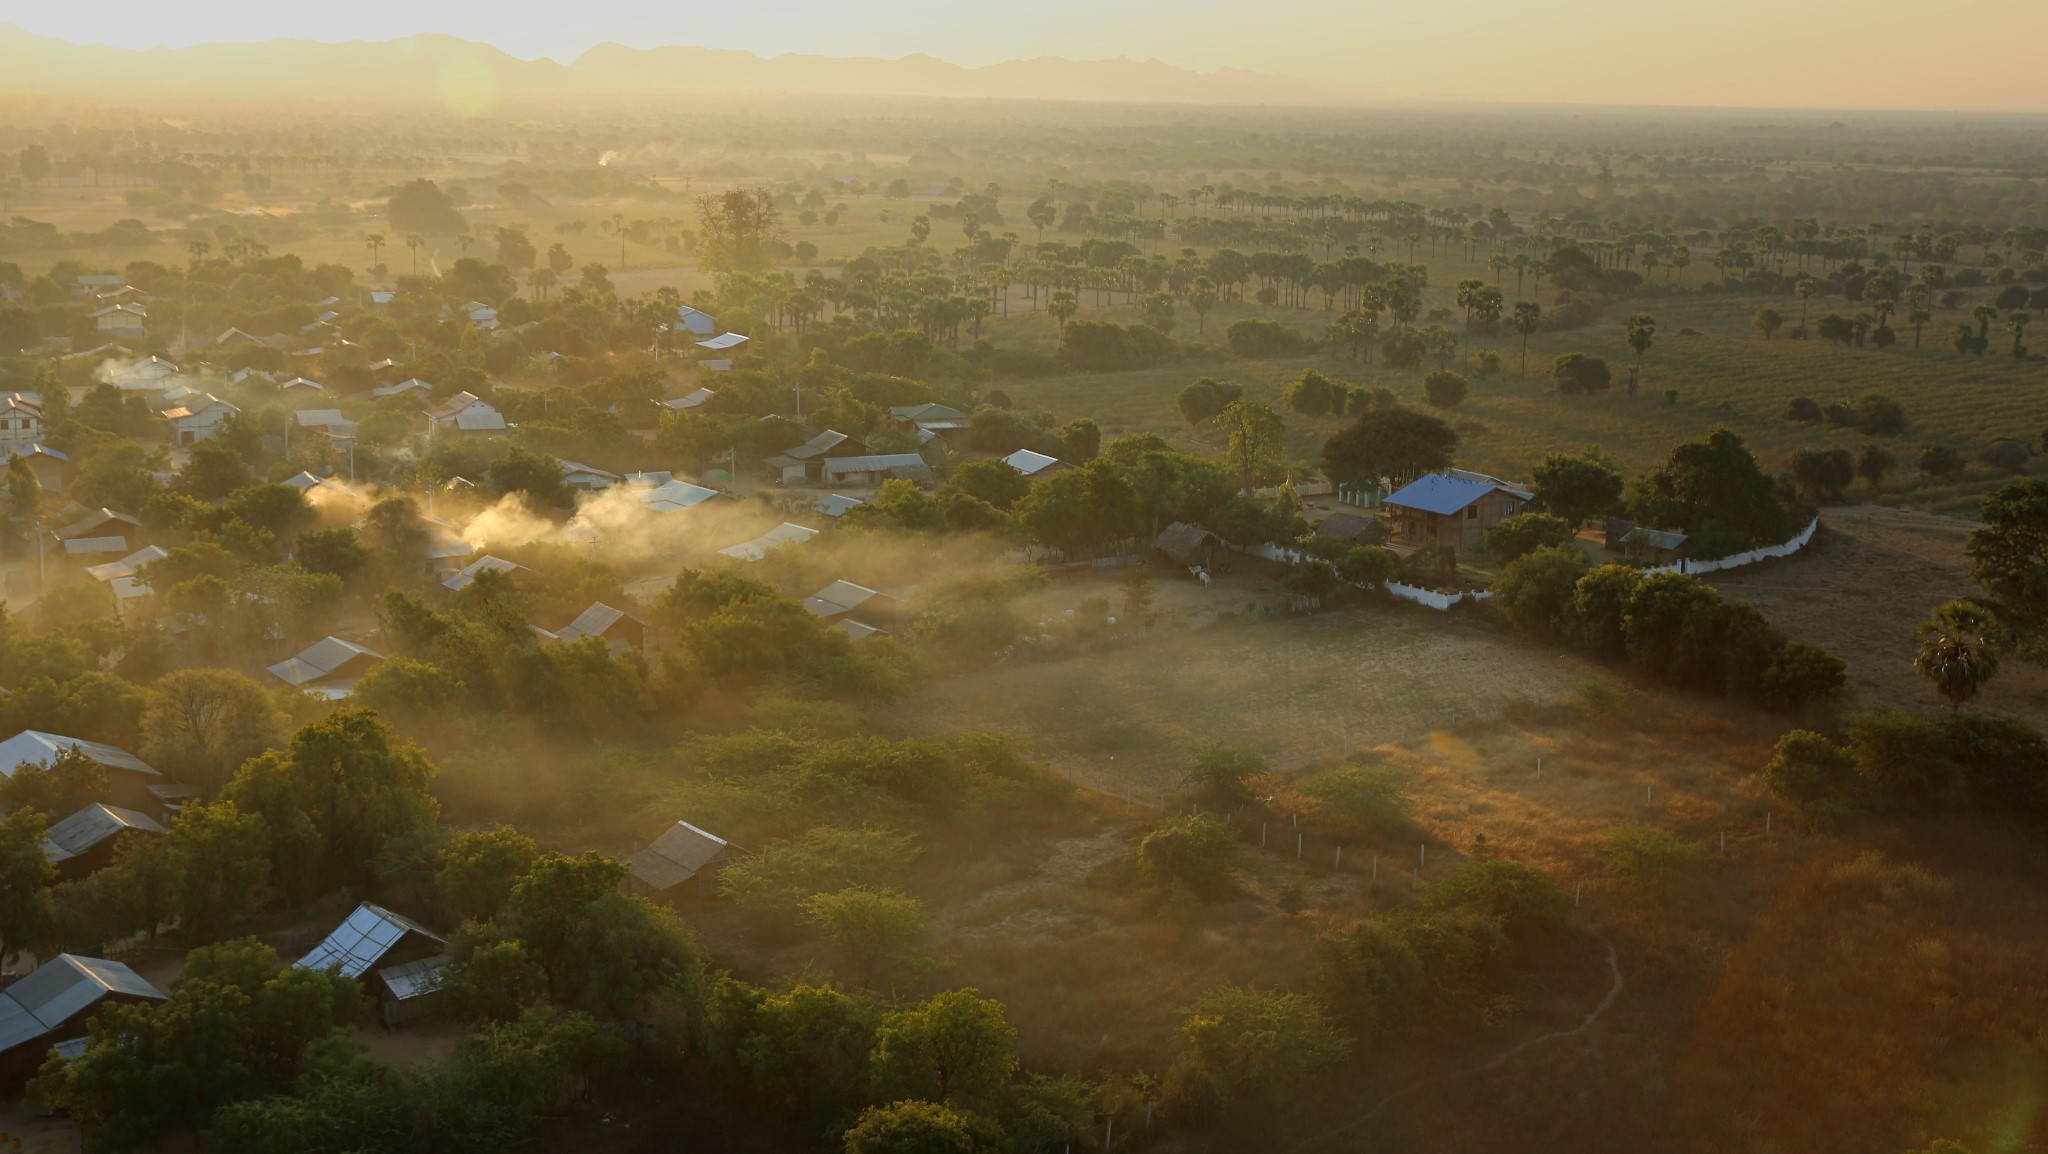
[[1871, 576]]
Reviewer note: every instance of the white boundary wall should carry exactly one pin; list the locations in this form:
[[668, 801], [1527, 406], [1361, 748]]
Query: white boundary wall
[[1441, 601]]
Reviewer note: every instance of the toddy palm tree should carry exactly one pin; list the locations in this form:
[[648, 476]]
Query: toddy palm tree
[[1528, 315], [1960, 647], [1642, 333]]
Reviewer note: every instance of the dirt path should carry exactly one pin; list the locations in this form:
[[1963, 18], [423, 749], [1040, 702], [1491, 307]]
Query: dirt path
[[1495, 1063], [1872, 575]]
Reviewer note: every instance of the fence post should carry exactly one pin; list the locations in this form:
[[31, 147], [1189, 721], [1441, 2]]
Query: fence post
[[1339, 864], [1297, 847]]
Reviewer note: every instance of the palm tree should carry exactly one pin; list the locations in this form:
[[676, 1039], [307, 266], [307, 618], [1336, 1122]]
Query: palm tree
[[413, 241], [619, 226], [1642, 333], [1805, 286], [1064, 305], [1528, 315], [1201, 298], [375, 241], [1960, 648], [2017, 324], [542, 279]]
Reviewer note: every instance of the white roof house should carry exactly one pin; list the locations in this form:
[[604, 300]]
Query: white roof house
[[198, 418], [578, 475], [465, 412], [127, 566], [722, 342], [409, 385], [1032, 464], [836, 505], [306, 384], [616, 627], [329, 667], [839, 598], [783, 534], [674, 496], [484, 564], [368, 935], [34, 747]]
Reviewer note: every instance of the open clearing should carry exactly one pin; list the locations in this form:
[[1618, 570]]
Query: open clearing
[[1862, 589]]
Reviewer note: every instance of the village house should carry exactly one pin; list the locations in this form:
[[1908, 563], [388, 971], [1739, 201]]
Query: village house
[[783, 534], [618, 629], [85, 842], [120, 322], [397, 960], [198, 418], [688, 402], [54, 1005], [695, 321], [52, 468], [722, 343], [855, 609], [1188, 545], [683, 862], [673, 496], [803, 463], [328, 668], [1439, 511], [876, 468], [464, 413], [128, 776], [485, 564], [1033, 464], [589, 478], [124, 579], [100, 531], [929, 420], [301, 385], [144, 376], [402, 388], [836, 505], [21, 419]]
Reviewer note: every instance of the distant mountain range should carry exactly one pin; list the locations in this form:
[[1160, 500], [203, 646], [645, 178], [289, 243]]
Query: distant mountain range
[[467, 75]]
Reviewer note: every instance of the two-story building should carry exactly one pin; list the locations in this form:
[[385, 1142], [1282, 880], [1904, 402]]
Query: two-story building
[[1452, 509]]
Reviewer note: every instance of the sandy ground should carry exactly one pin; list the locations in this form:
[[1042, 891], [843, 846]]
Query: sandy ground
[[1871, 576]]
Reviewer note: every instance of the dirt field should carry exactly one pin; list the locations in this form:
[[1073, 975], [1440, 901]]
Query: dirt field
[[1299, 689], [1871, 576]]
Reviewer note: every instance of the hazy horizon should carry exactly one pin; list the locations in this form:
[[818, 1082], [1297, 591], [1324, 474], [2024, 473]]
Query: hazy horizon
[[1824, 55]]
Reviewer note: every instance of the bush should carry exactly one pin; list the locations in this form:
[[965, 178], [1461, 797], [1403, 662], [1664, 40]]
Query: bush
[[1445, 389], [1823, 474], [1257, 1044], [1524, 533], [1022, 364], [1801, 673], [1807, 769], [1942, 462], [1805, 410], [1878, 415], [1648, 855], [1367, 975], [1261, 338], [1577, 373], [1101, 346], [1194, 852], [2011, 456], [1221, 776], [1361, 798], [1527, 903]]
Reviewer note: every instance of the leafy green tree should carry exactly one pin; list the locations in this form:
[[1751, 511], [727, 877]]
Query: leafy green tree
[[1823, 474], [69, 783], [1799, 674], [1577, 374], [807, 1051], [625, 955], [490, 976], [1203, 400], [912, 1127], [1314, 395], [1195, 852], [2009, 559], [478, 869], [1527, 902], [1075, 510], [221, 857], [1524, 533], [1245, 1044], [1576, 486], [1960, 648], [1647, 855], [1368, 975], [1713, 483], [334, 551], [1767, 321], [1444, 389], [1534, 591], [28, 916], [876, 935], [957, 1049], [213, 470], [1873, 464], [203, 723], [547, 905], [1942, 462], [342, 789], [1257, 436], [1394, 443]]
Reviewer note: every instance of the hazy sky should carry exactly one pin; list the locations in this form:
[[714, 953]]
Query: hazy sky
[[1834, 53]]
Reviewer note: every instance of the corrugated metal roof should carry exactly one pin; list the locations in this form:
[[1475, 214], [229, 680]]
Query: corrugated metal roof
[[674, 496], [1655, 538], [592, 622], [71, 1048], [90, 524], [357, 944], [127, 566], [839, 597], [837, 504], [1030, 463], [320, 660], [33, 745], [783, 534], [60, 990], [1440, 495], [857, 631], [675, 856], [723, 341], [92, 825], [480, 422], [414, 979], [486, 563], [874, 463]]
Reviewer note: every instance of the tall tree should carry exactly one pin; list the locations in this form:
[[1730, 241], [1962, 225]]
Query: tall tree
[[1959, 652], [1528, 318], [1257, 436]]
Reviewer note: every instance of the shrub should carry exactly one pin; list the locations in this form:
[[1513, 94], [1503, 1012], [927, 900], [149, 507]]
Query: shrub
[[1195, 852], [1445, 389], [1262, 338], [1252, 1044], [1801, 673], [1808, 769], [1941, 462], [1905, 755], [1524, 533], [1525, 901], [1823, 474], [1577, 373], [1221, 776], [1021, 364], [1367, 975], [1102, 346], [1878, 415], [2011, 456], [1805, 410], [1646, 854], [1363, 798]]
